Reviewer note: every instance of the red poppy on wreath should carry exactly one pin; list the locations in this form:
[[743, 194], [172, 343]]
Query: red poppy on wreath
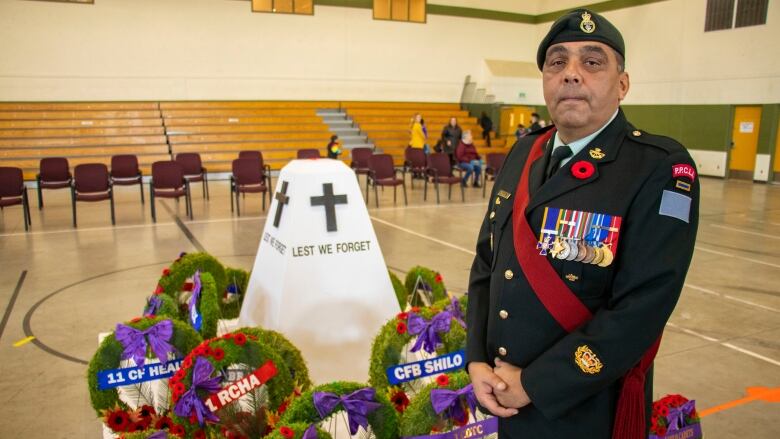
[[136, 319], [582, 169], [239, 339], [402, 316], [159, 290], [163, 423], [200, 434], [400, 328], [166, 271], [218, 354], [287, 432], [438, 278], [228, 336], [443, 380], [177, 430], [118, 420], [400, 400], [179, 388], [188, 286], [415, 309], [136, 426], [179, 375]]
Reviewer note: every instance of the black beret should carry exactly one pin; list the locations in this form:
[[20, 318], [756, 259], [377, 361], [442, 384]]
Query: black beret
[[581, 25]]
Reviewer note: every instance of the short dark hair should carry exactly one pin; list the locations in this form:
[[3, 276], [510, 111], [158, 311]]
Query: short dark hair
[[536, 115]]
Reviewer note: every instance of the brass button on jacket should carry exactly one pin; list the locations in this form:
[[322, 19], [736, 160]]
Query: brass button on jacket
[[502, 351], [503, 314], [508, 274]]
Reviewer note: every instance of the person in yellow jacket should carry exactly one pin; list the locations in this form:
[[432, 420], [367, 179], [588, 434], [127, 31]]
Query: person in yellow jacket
[[418, 134]]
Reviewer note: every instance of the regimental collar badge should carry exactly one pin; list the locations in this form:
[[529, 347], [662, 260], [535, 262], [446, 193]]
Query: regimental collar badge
[[587, 25], [597, 153], [587, 361]]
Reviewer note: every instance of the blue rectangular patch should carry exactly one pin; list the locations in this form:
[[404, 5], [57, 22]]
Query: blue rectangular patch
[[675, 205], [432, 366]]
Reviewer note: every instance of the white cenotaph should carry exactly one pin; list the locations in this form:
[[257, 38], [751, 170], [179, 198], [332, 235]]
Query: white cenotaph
[[319, 276]]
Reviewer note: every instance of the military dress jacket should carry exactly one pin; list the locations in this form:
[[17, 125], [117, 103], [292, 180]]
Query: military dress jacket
[[573, 378]]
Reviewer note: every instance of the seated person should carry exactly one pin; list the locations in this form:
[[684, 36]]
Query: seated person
[[468, 159]]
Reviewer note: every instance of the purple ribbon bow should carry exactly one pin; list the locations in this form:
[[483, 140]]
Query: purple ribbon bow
[[454, 309], [358, 405], [201, 380], [445, 399], [676, 416], [134, 341], [158, 435], [427, 332], [153, 306], [195, 317], [311, 432]]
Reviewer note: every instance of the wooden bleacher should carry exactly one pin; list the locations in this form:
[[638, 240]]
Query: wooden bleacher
[[91, 132], [220, 130], [83, 132], [387, 124]]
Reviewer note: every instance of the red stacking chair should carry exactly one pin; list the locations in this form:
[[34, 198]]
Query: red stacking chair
[[168, 182], [125, 172], [257, 155], [415, 162], [439, 170], [13, 191], [309, 154], [382, 172], [360, 158], [91, 183], [247, 178], [493, 163], [193, 170], [54, 174]]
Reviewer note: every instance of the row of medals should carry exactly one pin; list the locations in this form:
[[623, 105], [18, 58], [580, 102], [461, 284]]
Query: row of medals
[[577, 250]]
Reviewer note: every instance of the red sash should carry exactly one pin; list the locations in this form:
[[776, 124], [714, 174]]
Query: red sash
[[567, 309]]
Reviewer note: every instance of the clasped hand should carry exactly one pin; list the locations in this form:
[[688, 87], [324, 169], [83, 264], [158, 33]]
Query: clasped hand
[[499, 389]]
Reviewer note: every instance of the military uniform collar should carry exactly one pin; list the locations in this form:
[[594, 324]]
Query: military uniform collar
[[600, 151], [578, 145]]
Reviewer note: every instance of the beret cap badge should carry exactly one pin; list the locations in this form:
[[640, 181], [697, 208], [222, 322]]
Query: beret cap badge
[[587, 25]]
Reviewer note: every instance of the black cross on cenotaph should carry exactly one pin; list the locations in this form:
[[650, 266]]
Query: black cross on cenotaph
[[329, 201], [283, 199]]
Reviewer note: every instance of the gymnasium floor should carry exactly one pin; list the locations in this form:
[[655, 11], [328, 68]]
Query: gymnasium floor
[[64, 286]]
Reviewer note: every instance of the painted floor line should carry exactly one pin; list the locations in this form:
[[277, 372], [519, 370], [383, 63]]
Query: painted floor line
[[772, 223], [420, 235], [747, 232], [731, 255], [24, 341], [725, 344], [729, 297], [751, 353]]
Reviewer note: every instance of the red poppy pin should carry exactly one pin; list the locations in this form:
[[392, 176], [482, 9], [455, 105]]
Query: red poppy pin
[[582, 169]]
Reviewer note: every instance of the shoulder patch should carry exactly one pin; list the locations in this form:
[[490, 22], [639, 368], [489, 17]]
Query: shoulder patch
[[675, 205]]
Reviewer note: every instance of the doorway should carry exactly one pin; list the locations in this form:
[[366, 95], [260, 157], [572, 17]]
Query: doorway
[[744, 135]]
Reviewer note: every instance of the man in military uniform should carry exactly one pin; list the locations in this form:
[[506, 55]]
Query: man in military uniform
[[582, 253]]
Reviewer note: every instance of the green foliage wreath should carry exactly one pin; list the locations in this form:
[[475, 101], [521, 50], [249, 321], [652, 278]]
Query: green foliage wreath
[[388, 346], [173, 278], [420, 418], [383, 421], [291, 355], [109, 354], [231, 350], [431, 278]]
